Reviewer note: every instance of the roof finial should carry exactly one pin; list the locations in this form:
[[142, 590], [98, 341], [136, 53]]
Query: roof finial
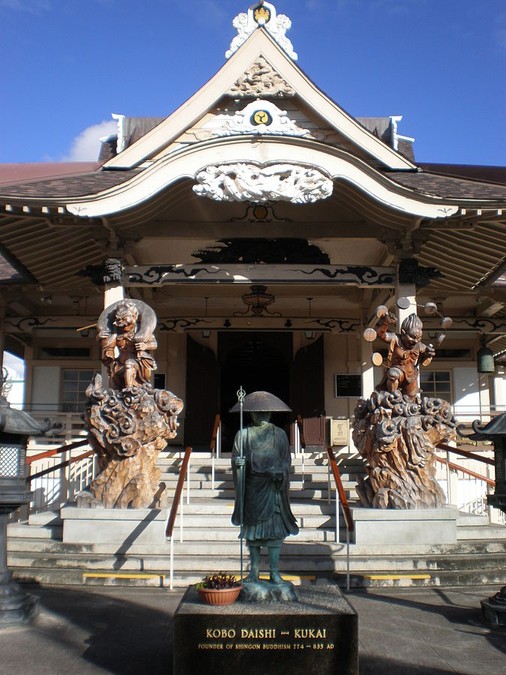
[[262, 14]]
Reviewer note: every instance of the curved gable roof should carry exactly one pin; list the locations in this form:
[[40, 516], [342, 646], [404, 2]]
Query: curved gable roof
[[188, 161], [259, 45]]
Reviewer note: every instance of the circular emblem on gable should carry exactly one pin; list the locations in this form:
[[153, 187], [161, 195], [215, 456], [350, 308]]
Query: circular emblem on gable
[[262, 14], [260, 212], [261, 117]]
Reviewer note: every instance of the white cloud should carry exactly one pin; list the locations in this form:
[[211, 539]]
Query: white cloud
[[86, 146]]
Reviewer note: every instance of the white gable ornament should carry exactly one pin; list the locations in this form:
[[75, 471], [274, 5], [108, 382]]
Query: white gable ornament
[[261, 80], [240, 182], [262, 15], [259, 117]]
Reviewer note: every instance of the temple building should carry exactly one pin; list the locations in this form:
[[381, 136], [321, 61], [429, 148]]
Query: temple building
[[264, 225]]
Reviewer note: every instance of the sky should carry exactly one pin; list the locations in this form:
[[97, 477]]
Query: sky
[[67, 65], [15, 379]]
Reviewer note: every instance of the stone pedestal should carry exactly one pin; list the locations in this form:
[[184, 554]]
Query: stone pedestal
[[314, 636], [113, 526], [493, 610], [389, 527], [16, 606]]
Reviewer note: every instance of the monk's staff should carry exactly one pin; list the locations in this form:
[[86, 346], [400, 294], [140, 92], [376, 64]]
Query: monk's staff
[[241, 482]]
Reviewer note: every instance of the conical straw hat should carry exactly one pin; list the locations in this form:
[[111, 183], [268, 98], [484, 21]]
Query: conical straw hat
[[261, 401]]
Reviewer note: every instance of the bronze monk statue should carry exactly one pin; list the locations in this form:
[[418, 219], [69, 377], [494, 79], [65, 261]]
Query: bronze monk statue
[[262, 507]]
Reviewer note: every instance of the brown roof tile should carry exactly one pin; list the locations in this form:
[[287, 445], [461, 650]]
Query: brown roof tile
[[67, 186], [424, 182], [489, 174], [16, 173], [448, 187]]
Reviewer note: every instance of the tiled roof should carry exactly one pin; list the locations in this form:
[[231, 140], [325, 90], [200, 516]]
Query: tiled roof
[[406, 148], [448, 187], [137, 127], [67, 186], [423, 182], [382, 128], [20, 172], [108, 149], [489, 174], [379, 126]]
